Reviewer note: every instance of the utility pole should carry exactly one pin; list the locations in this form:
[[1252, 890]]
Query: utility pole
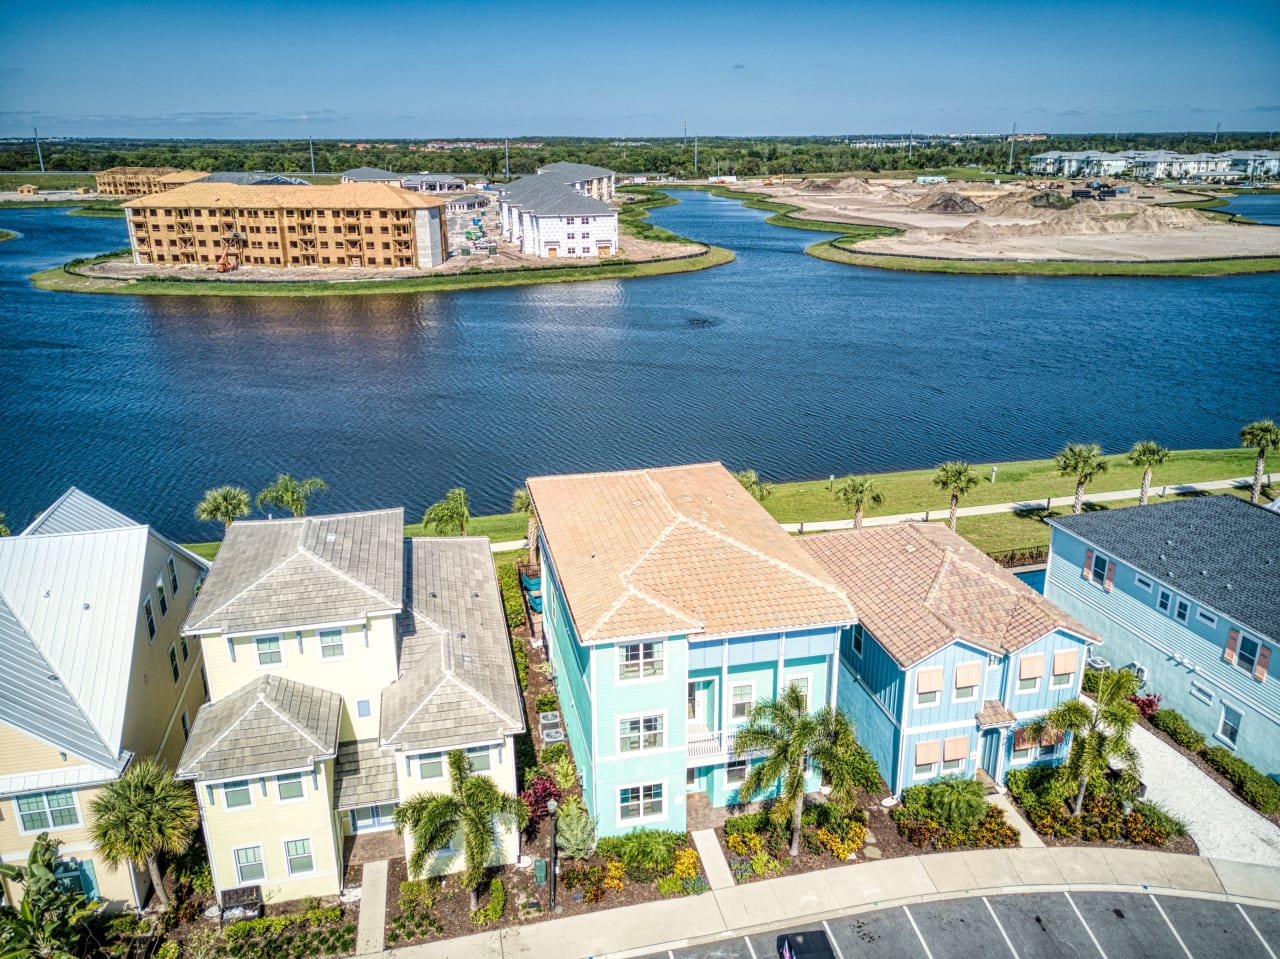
[[506, 157], [695, 153], [312, 147], [39, 155], [911, 144], [1012, 140], [1216, 130], [685, 141]]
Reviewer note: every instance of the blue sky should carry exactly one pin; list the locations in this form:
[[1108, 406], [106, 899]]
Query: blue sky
[[495, 68]]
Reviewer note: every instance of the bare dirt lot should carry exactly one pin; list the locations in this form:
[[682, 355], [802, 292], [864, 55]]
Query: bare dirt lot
[[1017, 221]]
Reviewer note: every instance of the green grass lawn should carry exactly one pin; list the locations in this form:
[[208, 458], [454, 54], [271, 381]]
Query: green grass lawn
[[47, 181]]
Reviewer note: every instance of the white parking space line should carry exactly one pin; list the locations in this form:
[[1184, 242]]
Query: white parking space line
[[1171, 929], [1270, 951], [1097, 945], [832, 939], [750, 948], [1001, 928], [923, 945]]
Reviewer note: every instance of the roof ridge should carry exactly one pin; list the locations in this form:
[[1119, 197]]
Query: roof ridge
[[348, 577], [641, 470], [289, 719], [253, 701], [395, 734], [231, 599]]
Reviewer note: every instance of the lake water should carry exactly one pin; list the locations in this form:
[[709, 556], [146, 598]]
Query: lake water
[[791, 365], [1263, 207]]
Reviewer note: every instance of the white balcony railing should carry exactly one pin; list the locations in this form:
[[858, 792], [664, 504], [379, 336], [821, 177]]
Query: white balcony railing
[[706, 745]]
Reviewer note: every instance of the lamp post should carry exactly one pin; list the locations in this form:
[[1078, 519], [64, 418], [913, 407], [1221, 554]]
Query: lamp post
[[552, 806]]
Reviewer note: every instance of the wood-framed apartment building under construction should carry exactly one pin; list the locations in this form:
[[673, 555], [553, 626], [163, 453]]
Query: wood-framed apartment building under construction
[[369, 225], [144, 180]]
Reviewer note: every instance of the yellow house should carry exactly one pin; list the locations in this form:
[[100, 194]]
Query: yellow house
[[93, 673], [343, 662]]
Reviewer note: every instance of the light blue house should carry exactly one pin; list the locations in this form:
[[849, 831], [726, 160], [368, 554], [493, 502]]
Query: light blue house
[[952, 655], [672, 603], [1187, 594]]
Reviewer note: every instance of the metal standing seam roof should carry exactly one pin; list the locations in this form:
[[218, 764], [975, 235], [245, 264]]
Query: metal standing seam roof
[[457, 680], [677, 550], [289, 573], [269, 725], [919, 587], [1219, 550]]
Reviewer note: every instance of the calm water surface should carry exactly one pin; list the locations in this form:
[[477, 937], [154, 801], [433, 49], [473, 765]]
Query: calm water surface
[[778, 361], [1263, 207]]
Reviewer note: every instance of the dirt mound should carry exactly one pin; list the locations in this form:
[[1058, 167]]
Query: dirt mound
[[950, 203], [818, 186], [1051, 200]]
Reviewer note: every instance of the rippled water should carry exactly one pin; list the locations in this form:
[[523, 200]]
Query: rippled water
[[778, 361], [1263, 207]]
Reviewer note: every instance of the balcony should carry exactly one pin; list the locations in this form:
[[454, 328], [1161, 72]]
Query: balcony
[[707, 745]]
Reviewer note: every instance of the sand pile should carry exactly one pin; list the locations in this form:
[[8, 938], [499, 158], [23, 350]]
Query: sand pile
[[818, 186], [855, 185], [951, 203]]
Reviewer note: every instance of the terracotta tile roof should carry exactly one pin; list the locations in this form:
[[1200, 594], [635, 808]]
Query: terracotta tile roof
[[376, 196], [995, 713], [677, 550], [918, 586]]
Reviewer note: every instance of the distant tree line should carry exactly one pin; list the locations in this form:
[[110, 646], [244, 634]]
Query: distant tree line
[[716, 155]]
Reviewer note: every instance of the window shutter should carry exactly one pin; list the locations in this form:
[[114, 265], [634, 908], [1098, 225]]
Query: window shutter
[[1088, 563], [956, 747], [1264, 657], [1233, 640], [1110, 582], [1020, 739]]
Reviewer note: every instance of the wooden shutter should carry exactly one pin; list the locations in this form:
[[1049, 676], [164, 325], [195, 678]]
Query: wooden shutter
[[929, 680], [1088, 563], [1110, 582], [1020, 738], [968, 674], [1233, 640], [928, 752], [1031, 667], [956, 747], [1264, 657]]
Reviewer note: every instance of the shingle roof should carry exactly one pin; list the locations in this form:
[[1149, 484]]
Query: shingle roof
[[678, 550], [573, 172], [457, 680], [543, 196], [288, 573], [364, 775], [373, 196], [919, 586], [370, 173], [255, 179], [269, 725], [1219, 550]]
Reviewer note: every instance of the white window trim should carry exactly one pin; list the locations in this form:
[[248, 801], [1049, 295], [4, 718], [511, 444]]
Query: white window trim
[[746, 769], [75, 802], [488, 751], [154, 626], [917, 774], [419, 758], [734, 684], [1018, 691], [257, 653], [1256, 653], [342, 641], [302, 781], [174, 664], [933, 705], [288, 863], [1160, 596], [1205, 694], [1184, 620], [629, 717], [171, 570], [1030, 757], [1222, 714], [162, 589], [1068, 679], [642, 678], [1106, 566], [957, 698], [1206, 617], [642, 818], [858, 642], [788, 678], [1142, 582], [955, 770], [262, 860], [249, 783]]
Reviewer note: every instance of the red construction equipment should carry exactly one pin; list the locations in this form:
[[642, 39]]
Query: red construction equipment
[[232, 241]]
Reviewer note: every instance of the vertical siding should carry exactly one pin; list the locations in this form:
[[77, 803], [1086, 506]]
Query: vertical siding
[[870, 694], [572, 667]]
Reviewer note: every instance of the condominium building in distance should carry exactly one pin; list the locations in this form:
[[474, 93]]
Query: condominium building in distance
[[330, 227], [143, 180]]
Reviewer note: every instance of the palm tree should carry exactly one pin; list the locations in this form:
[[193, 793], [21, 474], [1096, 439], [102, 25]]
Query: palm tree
[[291, 494], [225, 504], [1147, 454], [791, 737], [1083, 461], [957, 478], [451, 514], [957, 801], [522, 502], [4, 530], [860, 492], [51, 922], [1099, 733], [142, 814], [471, 807], [1262, 435], [750, 481]]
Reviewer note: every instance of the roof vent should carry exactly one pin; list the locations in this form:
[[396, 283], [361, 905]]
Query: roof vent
[[1163, 558], [1168, 542], [432, 594], [1228, 585], [475, 595], [463, 637], [331, 538], [46, 594], [910, 549], [1204, 572], [86, 606]]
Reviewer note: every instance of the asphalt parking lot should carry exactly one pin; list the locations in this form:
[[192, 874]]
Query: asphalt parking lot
[[1032, 926]]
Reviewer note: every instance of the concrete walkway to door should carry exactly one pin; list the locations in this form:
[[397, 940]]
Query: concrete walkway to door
[[370, 937]]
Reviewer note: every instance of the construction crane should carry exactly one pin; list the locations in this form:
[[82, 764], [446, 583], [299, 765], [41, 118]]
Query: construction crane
[[232, 241]]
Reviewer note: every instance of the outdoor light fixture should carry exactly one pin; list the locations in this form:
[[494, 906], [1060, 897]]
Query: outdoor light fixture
[[552, 806]]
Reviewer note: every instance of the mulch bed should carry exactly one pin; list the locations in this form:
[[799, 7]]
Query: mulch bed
[[1182, 845]]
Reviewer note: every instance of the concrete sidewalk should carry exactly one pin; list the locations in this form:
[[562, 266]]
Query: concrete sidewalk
[[923, 516], [810, 897]]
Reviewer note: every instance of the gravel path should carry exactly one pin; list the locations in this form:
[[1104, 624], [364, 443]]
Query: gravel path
[[1222, 826]]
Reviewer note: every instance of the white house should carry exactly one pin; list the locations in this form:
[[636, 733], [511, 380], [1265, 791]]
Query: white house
[[583, 178], [547, 218]]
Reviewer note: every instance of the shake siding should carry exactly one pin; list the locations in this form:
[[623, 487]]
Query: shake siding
[[1135, 630]]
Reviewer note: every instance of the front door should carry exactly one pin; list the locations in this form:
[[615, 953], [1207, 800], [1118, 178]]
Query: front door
[[698, 702], [373, 818], [990, 751]]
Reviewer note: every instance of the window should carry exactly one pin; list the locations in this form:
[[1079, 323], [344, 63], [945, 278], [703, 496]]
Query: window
[[186, 726], [1247, 654], [735, 772], [857, 640], [925, 770], [331, 644], [298, 853], [269, 651], [51, 810], [204, 682], [964, 694], [149, 613], [1229, 725], [236, 794], [952, 765], [173, 662], [1142, 582], [743, 699], [1099, 572], [1023, 755], [640, 660], [362, 708], [1029, 685], [481, 759], [640, 802], [1166, 598], [289, 787], [927, 699], [173, 567], [249, 867], [431, 766], [801, 683], [1061, 679], [1207, 618], [643, 732], [1182, 610], [1202, 693], [164, 599], [186, 651]]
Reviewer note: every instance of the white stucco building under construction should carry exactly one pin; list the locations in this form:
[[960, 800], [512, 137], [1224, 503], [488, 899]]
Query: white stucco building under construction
[[549, 218]]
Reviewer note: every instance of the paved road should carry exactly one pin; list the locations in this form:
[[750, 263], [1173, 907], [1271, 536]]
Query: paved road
[[1084, 925]]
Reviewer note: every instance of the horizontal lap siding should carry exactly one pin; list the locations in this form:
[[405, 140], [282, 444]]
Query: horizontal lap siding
[[1135, 630]]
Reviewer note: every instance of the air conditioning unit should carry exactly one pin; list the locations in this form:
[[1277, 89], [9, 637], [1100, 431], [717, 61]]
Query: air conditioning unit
[[1138, 670]]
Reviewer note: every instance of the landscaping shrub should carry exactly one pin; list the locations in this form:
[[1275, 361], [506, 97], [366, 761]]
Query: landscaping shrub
[[745, 844], [168, 950], [762, 864], [492, 910], [520, 652], [1147, 704], [418, 892], [1174, 725], [844, 844], [686, 864], [536, 795], [1154, 813], [956, 803], [920, 824], [670, 886], [609, 847], [546, 702], [866, 774], [647, 853], [1258, 790], [589, 879], [752, 822], [513, 606], [554, 753], [576, 830], [1089, 682], [527, 758], [566, 776]]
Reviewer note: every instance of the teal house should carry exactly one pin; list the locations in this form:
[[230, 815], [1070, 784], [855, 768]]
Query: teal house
[[1186, 594], [672, 602], [952, 656]]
